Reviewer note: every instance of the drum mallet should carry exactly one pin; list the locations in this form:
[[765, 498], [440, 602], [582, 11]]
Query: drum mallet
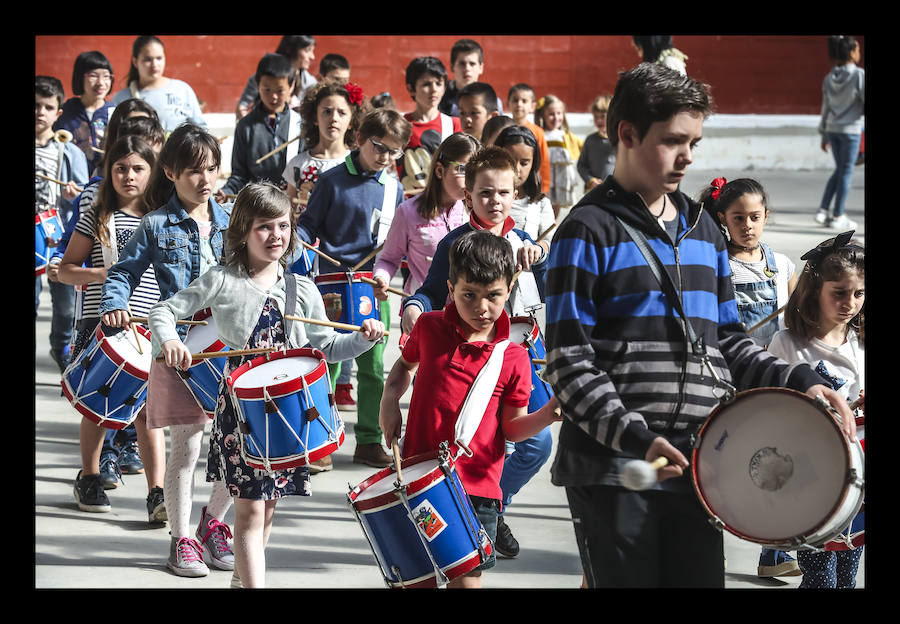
[[640, 474]]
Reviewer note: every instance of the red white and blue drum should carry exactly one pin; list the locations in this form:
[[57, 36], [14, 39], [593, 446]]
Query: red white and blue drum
[[423, 532], [204, 377], [772, 466], [305, 263], [347, 298], [285, 409], [853, 536], [107, 383], [525, 331], [48, 230]]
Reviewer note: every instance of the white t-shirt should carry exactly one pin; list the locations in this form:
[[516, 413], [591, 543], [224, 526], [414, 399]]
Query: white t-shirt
[[842, 366]]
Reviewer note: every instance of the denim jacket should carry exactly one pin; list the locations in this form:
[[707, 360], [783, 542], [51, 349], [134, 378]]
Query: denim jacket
[[169, 240]]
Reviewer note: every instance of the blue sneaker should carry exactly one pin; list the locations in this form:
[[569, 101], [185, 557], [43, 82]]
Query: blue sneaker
[[110, 473], [776, 563], [130, 459]]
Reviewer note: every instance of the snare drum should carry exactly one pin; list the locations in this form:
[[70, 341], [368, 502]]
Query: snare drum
[[853, 536], [773, 467], [423, 532], [525, 331], [305, 263], [285, 409], [107, 383], [48, 230], [347, 298], [204, 377]]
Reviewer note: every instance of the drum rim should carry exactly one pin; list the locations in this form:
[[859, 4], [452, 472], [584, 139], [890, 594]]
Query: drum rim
[[116, 357], [535, 330], [280, 389], [341, 278], [705, 503], [217, 345], [94, 417], [295, 461], [412, 488]]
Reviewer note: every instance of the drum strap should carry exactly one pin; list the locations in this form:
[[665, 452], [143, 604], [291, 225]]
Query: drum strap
[[479, 396], [290, 303]]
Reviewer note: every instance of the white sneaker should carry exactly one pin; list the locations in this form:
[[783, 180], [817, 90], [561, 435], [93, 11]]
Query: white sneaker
[[821, 217], [842, 223]]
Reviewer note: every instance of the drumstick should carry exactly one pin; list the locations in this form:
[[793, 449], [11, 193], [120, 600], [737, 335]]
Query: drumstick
[[539, 361], [334, 324], [324, 255], [134, 330], [545, 232], [767, 319], [369, 257], [60, 182], [389, 288], [97, 149], [640, 474], [208, 355], [396, 448], [144, 319], [276, 150]]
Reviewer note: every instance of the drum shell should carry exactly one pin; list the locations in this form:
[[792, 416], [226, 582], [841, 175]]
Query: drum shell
[[356, 298], [396, 540], [203, 378], [318, 438], [541, 392], [48, 230], [96, 365], [817, 501]]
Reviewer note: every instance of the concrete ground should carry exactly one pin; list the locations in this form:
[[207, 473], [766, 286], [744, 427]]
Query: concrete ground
[[316, 541]]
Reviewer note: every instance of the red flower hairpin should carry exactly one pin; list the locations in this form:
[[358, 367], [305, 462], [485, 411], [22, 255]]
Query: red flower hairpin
[[354, 92], [310, 174], [717, 185]]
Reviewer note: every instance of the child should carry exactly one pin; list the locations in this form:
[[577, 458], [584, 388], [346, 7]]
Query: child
[[597, 158], [424, 219], [564, 148], [481, 272], [522, 102], [492, 128], [182, 238], [300, 50], [477, 103], [825, 324], [763, 280], [86, 115], [248, 301], [426, 80], [271, 123], [532, 210], [173, 99], [334, 68], [350, 211], [102, 231], [467, 65], [608, 325], [659, 49], [61, 161]]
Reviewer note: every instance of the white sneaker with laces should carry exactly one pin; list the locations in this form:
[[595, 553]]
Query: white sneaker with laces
[[822, 217], [842, 223]]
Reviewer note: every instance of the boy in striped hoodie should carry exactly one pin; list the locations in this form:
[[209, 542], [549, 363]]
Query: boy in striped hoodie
[[626, 377]]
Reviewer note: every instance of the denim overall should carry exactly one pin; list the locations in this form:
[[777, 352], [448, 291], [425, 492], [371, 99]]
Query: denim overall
[[757, 300]]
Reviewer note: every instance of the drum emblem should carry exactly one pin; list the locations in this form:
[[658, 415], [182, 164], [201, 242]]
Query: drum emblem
[[769, 470], [429, 520], [333, 306], [365, 306]]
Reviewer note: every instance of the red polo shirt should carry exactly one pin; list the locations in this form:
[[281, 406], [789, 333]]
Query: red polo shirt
[[448, 365]]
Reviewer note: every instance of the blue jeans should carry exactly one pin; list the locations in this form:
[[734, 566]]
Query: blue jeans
[[487, 510], [844, 150], [62, 312], [524, 462]]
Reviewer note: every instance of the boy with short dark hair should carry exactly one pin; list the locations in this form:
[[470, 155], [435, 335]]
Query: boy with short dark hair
[[476, 104], [522, 103], [269, 124], [334, 68], [426, 80], [467, 65], [630, 383], [447, 350], [63, 161], [350, 211]]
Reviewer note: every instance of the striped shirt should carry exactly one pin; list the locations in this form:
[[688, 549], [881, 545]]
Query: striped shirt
[[147, 292]]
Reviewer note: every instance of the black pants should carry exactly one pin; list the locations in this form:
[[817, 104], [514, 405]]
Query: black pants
[[645, 539]]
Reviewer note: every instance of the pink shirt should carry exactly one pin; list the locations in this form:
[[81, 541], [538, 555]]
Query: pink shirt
[[416, 238]]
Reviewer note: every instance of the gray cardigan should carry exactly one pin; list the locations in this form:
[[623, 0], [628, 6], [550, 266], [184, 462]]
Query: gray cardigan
[[236, 303]]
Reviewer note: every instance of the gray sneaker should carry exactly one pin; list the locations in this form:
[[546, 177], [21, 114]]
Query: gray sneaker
[[89, 494], [213, 536], [185, 558]]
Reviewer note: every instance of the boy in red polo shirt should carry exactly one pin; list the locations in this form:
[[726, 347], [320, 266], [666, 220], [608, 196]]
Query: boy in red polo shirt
[[447, 350]]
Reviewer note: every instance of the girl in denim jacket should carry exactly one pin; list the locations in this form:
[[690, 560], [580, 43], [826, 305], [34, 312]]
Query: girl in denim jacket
[[181, 239]]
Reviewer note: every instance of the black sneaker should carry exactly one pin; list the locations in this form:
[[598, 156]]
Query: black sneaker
[[110, 472], [89, 494], [156, 506], [130, 459], [505, 543]]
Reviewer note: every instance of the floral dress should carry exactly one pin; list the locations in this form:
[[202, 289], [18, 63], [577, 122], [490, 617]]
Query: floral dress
[[225, 461]]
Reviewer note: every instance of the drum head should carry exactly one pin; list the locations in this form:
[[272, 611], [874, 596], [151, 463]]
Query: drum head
[[520, 332], [129, 346], [202, 337], [276, 372], [771, 465]]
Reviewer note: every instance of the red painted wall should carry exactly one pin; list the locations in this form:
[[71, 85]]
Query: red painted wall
[[748, 74]]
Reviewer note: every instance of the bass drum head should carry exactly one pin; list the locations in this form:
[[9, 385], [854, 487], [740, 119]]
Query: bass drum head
[[771, 465]]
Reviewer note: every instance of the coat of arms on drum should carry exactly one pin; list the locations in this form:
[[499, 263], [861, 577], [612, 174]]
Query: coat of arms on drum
[[333, 306]]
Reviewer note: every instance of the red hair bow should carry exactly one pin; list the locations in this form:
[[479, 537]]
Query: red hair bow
[[717, 185], [355, 93]]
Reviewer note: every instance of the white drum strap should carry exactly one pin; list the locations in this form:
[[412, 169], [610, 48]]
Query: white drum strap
[[293, 132], [446, 126], [388, 206], [525, 295], [111, 252], [479, 396]]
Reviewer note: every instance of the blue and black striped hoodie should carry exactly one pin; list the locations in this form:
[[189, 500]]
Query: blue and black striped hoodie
[[618, 359]]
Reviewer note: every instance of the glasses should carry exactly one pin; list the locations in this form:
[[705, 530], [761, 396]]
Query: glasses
[[98, 77], [458, 168], [381, 148]]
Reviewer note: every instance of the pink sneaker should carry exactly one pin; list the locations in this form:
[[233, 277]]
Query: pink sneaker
[[213, 535]]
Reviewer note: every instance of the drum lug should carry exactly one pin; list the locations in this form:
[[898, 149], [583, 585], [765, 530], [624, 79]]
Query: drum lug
[[718, 525], [853, 478]]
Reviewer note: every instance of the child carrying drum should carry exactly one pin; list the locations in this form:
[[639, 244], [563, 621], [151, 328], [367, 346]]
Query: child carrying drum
[[825, 323], [452, 351], [248, 299]]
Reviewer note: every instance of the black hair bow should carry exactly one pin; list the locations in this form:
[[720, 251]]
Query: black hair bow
[[815, 256]]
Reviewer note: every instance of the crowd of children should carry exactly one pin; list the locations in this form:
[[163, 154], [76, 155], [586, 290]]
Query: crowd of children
[[490, 210]]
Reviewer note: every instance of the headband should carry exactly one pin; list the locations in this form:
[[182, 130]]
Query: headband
[[815, 256]]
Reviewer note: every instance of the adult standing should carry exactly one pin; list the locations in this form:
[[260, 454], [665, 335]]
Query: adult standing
[[174, 100], [841, 124]]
